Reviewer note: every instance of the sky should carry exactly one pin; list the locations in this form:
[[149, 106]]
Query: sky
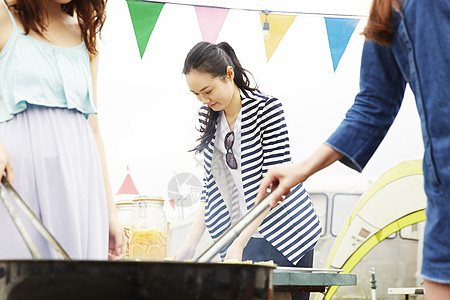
[[148, 116]]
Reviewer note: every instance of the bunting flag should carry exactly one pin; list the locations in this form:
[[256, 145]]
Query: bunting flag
[[279, 25], [210, 20], [339, 32], [144, 16], [172, 203]]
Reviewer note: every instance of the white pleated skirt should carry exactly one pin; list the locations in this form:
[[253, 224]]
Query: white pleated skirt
[[57, 171]]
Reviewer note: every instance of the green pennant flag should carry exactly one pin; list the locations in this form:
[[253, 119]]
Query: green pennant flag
[[144, 16]]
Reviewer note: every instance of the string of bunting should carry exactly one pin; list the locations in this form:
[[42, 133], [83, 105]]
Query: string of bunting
[[274, 24]]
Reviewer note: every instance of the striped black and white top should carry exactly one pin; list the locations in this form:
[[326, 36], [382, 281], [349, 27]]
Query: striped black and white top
[[293, 226]]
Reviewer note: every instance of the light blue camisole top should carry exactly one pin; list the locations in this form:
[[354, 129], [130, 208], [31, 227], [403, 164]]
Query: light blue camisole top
[[35, 72]]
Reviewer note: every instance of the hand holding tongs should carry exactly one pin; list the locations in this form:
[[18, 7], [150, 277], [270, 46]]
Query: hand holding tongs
[[233, 232], [33, 218]]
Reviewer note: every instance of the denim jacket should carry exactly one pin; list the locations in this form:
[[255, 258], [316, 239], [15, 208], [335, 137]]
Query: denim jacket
[[420, 56]]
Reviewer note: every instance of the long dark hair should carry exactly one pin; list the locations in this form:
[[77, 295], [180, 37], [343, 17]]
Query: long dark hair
[[214, 59], [90, 14], [379, 26]]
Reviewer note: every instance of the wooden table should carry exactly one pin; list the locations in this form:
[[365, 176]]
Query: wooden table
[[309, 279]]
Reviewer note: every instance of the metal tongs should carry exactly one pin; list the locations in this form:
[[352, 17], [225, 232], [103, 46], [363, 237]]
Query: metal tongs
[[5, 189], [234, 231]]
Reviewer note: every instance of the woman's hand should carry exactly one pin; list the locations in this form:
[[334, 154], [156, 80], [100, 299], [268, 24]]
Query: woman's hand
[[237, 247], [288, 176], [186, 252], [234, 252], [117, 245], [6, 164]]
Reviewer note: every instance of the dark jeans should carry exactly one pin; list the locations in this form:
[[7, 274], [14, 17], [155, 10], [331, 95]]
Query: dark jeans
[[258, 249]]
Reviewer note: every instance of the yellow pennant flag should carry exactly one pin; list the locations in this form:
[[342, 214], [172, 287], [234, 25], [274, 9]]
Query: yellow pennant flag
[[279, 25]]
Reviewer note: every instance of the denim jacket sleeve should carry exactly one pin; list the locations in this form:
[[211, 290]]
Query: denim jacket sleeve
[[382, 87]]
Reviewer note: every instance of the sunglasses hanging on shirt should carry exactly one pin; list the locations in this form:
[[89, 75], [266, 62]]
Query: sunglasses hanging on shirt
[[229, 157]]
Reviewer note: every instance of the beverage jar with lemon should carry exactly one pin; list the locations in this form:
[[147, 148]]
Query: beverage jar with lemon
[[148, 229]]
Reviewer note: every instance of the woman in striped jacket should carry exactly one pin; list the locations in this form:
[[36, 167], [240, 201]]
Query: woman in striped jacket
[[243, 133]]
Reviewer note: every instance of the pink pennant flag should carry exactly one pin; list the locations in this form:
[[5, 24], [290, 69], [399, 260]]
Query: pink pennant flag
[[210, 20], [172, 203]]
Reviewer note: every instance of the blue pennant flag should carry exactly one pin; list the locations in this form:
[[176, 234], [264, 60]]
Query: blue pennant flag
[[339, 32]]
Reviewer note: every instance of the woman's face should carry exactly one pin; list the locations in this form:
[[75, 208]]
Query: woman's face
[[216, 92]]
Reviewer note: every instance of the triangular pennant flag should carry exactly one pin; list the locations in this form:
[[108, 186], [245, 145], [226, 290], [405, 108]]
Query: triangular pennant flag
[[144, 16], [172, 203], [128, 187], [339, 33], [279, 25], [210, 20]]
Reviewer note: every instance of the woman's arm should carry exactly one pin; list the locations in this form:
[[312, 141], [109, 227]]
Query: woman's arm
[[366, 123], [236, 248], [187, 250], [197, 229], [117, 246]]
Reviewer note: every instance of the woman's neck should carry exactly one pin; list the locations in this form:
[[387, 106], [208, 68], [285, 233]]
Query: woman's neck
[[233, 109], [54, 11]]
